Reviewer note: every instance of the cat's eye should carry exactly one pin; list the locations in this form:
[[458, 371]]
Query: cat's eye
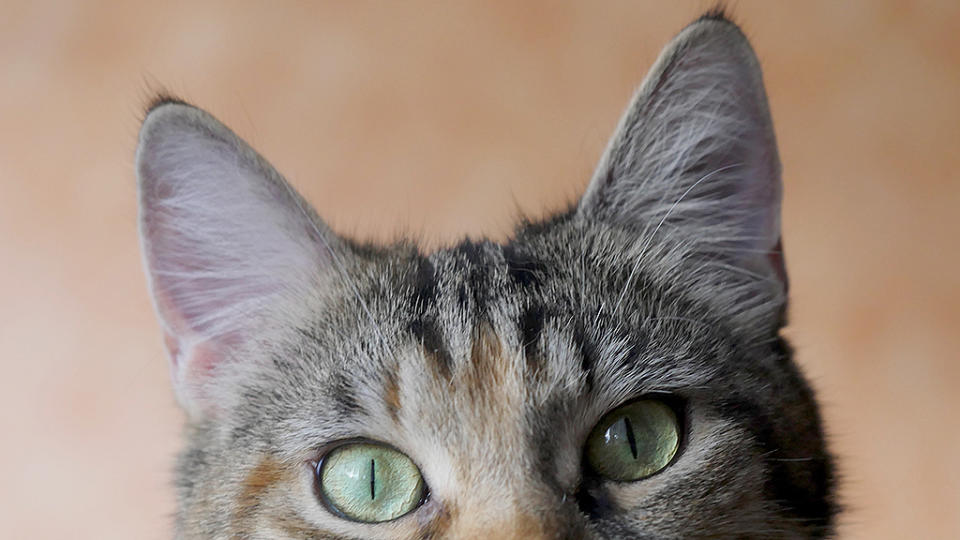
[[634, 441], [369, 482]]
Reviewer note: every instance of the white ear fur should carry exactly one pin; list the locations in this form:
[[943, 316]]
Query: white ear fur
[[695, 152], [225, 240]]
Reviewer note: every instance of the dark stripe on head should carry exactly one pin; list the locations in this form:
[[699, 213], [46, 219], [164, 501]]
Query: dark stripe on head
[[472, 251], [526, 271], [547, 225], [344, 396], [423, 283], [476, 274], [531, 327], [463, 297], [436, 353]]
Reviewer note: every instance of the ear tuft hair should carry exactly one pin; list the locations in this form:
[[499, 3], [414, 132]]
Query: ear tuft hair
[[718, 12], [160, 99]]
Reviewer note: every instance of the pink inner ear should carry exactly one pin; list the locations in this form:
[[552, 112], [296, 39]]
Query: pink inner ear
[[192, 369], [205, 319], [192, 364], [227, 243], [198, 360]]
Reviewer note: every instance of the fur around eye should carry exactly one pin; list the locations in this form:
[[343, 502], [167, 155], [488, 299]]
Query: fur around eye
[[634, 441]]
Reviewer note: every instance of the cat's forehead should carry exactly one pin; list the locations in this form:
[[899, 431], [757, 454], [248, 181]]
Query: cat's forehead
[[448, 335]]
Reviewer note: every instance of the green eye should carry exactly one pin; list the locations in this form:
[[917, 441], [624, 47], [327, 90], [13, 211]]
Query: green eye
[[634, 441], [369, 482]]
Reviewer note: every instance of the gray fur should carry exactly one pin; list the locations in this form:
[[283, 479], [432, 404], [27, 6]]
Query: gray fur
[[488, 364]]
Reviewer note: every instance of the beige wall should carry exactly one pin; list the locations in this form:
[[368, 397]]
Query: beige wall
[[442, 120]]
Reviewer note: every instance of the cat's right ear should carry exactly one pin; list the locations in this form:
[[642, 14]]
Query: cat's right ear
[[695, 158], [227, 243]]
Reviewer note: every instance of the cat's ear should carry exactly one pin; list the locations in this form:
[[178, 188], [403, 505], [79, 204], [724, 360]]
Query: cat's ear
[[227, 243], [695, 153]]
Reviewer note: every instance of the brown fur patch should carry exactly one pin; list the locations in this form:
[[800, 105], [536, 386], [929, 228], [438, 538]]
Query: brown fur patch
[[391, 396], [253, 502], [488, 367], [519, 527], [529, 526], [267, 473], [526, 526], [261, 478], [294, 528]]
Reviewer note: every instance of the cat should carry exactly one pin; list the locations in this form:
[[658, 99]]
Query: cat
[[613, 371]]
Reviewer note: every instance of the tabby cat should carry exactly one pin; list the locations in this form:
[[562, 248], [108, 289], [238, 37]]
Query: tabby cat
[[614, 371]]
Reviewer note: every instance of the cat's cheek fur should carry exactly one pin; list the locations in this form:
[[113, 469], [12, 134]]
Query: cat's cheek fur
[[717, 481], [264, 497]]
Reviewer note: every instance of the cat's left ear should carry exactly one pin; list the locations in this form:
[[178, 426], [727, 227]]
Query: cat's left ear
[[231, 250], [695, 154]]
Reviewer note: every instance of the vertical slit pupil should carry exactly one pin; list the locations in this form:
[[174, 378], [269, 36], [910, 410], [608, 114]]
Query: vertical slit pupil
[[373, 480], [628, 427]]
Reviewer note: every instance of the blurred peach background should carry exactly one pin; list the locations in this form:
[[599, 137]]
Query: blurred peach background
[[444, 119]]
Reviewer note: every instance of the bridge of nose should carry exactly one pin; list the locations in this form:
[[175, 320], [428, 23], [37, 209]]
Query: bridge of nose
[[490, 484], [495, 488], [528, 520]]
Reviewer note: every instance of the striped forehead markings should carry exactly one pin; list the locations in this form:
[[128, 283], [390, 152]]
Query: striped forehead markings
[[439, 359], [531, 328]]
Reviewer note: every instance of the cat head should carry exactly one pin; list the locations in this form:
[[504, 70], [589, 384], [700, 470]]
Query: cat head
[[614, 371]]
